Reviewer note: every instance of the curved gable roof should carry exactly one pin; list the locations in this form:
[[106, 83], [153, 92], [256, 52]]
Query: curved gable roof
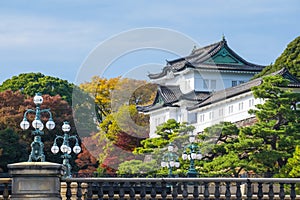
[[215, 56]]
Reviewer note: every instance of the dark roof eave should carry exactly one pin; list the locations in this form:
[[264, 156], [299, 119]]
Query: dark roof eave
[[159, 107], [218, 100], [219, 67]]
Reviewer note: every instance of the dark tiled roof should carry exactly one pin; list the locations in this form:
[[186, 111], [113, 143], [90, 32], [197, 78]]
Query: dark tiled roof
[[199, 57], [294, 82], [170, 95]]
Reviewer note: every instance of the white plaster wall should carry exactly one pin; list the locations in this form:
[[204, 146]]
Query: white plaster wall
[[223, 80], [236, 114], [181, 114], [160, 116]]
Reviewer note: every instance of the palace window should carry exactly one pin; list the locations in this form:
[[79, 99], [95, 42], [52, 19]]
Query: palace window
[[201, 118], [180, 118], [221, 112], [234, 83], [230, 109], [211, 115], [251, 102], [241, 106]]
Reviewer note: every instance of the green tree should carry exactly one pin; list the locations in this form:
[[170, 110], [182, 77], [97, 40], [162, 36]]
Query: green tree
[[220, 153], [291, 169], [31, 83], [11, 149], [170, 131], [138, 167], [272, 140], [154, 148], [290, 59], [264, 147]]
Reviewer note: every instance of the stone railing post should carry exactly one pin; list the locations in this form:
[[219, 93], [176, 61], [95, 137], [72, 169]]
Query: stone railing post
[[36, 180], [73, 188]]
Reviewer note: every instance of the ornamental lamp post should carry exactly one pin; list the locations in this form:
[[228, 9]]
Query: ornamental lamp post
[[37, 146], [170, 160], [191, 152], [65, 148]]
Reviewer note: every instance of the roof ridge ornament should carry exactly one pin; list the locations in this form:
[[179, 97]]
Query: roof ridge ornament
[[194, 48], [223, 37]]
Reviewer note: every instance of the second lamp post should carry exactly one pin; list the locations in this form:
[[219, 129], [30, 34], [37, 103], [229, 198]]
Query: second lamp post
[[170, 160], [65, 147], [192, 153]]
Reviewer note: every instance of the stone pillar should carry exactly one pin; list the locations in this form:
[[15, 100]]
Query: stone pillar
[[36, 180]]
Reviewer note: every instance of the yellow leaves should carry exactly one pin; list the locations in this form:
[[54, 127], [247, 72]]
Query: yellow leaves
[[112, 93]]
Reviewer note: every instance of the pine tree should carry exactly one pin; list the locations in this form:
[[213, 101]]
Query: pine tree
[[289, 59], [272, 140]]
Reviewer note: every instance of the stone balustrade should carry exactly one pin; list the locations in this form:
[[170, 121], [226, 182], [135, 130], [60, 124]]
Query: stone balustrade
[[181, 188], [44, 181]]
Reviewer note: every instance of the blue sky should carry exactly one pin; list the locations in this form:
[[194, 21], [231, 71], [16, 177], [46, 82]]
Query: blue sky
[[56, 37]]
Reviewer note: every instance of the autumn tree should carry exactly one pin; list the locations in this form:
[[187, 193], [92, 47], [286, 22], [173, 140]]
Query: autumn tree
[[101, 89], [112, 93], [121, 126], [86, 161], [12, 108], [121, 131]]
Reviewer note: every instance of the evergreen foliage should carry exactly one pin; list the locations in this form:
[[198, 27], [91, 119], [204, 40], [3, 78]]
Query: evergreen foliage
[[138, 167], [291, 169], [154, 148], [290, 59], [11, 149], [277, 128], [31, 83], [221, 155], [170, 131]]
